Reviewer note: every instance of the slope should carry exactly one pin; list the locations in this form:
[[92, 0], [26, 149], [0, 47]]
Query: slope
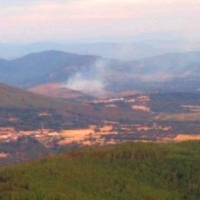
[[127, 171], [19, 98], [97, 73], [36, 67], [58, 90], [23, 110]]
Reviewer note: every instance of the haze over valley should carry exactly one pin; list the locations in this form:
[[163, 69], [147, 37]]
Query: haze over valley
[[97, 75], [70, 100], [65, 100]]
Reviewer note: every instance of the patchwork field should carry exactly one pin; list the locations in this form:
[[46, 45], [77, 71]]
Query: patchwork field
[[136, 117], [182, 137]]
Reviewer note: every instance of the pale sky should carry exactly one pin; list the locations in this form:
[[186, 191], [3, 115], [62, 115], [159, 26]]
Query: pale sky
[[26, 21]]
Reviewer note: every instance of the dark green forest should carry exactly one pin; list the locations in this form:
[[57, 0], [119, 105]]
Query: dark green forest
[[128, 171]]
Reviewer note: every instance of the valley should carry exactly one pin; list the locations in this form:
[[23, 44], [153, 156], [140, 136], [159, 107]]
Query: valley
[[99, 100], [86, 129], [95, 74], [128, 116], [79, 101]]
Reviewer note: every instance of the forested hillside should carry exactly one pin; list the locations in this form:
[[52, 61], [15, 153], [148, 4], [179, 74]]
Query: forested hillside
[[127, 171]]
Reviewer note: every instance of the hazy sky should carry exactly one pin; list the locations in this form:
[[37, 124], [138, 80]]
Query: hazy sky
[[24, 21]]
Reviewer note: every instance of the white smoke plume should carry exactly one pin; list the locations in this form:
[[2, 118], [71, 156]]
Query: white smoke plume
[[91, 80]]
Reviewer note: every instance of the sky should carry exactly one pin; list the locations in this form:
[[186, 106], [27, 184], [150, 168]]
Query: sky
[[28, 21]]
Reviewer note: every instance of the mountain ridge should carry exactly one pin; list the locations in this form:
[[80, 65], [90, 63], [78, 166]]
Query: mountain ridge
[[108, 74]]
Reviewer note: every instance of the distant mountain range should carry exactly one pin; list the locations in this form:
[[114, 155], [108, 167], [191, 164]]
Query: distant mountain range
[[129, 48], [94, 74], [37, 68]]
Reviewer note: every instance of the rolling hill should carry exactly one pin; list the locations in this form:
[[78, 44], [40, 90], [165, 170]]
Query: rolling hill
[[116, 48], [11, 97], [60, 91], [172, 63], [92, 73], [37, 68], [25, 108], [127, 171]]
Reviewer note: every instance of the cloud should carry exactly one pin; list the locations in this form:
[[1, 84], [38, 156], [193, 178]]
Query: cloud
[[59, 19]]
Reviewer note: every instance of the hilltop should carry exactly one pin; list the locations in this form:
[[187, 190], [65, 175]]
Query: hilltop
[[36, 68], [126, 171], [15, 97], [60, 91], [94, 73]]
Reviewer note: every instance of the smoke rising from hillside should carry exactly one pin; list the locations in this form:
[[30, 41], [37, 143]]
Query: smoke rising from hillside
[[91, 80]]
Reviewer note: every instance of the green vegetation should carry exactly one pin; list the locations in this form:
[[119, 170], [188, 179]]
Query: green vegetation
[[128, 171]]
